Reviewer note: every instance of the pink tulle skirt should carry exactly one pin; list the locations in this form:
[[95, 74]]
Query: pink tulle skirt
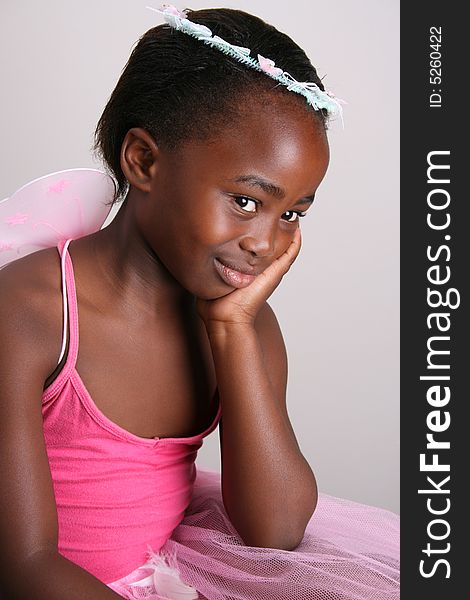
[[350, 551]]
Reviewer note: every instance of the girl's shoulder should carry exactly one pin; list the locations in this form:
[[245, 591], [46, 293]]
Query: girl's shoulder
[[32, 279], [31, 303]]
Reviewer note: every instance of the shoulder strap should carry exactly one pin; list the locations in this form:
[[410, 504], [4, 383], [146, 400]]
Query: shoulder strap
[[69, 299]]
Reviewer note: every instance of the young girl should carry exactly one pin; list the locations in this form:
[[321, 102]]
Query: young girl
[[216, 138]]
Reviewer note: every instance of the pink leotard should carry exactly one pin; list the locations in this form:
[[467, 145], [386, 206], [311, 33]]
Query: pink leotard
[[117, 494]]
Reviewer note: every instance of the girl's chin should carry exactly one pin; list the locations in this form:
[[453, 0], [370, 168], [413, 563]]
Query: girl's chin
[[207, 287], [213, 295], [210, 287]]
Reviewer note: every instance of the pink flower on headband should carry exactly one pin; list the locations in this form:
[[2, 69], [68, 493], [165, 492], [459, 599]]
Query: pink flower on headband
[[172, 10], [267, 65]]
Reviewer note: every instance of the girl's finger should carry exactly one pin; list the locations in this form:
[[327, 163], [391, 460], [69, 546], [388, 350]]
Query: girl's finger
[[267, 281], [282, 264]]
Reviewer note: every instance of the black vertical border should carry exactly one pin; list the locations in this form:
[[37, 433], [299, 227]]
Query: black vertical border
[[423, 130]]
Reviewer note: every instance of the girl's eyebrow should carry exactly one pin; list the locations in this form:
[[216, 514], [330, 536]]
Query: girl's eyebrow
[[269, 187]]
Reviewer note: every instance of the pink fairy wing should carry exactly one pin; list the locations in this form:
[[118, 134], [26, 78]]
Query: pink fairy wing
[[58, 206]]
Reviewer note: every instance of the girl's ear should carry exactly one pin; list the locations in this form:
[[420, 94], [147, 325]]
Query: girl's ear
[[139, 154]]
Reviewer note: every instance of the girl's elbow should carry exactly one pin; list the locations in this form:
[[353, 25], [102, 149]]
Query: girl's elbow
[[294, 536], [293, 530], [287, 537], [280, 541]]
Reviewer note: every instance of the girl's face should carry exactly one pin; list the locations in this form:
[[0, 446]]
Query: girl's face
[[236, 200]]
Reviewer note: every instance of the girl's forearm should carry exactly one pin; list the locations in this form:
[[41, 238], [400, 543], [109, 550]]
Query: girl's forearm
[[50, 576], [268, 487]]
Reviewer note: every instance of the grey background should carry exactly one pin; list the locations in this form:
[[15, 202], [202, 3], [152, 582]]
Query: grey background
[[339, 305]]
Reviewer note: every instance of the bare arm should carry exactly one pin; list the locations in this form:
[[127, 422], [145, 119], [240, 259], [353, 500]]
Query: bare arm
[[269, 489], [30, 564]]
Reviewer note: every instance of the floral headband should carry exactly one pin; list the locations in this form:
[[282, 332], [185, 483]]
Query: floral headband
[[315, 97]]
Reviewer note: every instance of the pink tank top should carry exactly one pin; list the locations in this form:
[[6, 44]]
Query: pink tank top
[[117, 494]]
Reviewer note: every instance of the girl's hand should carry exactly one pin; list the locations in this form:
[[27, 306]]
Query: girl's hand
[[241, 306]]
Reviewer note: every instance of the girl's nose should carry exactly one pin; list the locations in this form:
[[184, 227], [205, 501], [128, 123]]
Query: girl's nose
[[260, 243]]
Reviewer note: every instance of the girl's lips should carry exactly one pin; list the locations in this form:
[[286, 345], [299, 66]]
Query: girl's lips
[[233, 278]]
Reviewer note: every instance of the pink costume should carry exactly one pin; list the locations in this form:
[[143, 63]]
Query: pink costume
[[116, 493], [121, 499]]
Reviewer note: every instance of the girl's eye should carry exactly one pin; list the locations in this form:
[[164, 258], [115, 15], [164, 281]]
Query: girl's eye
[[251, 206], [291, 216], [246, 204]]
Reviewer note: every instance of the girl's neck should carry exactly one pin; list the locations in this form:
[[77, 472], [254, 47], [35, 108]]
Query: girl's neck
[[131, 274]]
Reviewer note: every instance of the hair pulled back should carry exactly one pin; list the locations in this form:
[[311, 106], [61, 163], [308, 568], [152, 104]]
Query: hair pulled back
[[179, 89]]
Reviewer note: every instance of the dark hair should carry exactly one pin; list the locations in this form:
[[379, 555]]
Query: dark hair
[[178, 88]]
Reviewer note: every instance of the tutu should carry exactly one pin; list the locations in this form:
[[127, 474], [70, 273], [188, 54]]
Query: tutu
[[350, 551]]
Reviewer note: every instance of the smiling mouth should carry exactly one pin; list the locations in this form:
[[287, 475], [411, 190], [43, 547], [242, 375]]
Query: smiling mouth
[[232, 276]]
